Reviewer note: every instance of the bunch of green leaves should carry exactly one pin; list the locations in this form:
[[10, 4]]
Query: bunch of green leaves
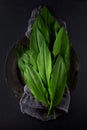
[[45, 65]]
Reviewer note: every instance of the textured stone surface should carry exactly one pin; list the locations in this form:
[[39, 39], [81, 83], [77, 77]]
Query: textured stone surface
[[30, 106], [34, 13]]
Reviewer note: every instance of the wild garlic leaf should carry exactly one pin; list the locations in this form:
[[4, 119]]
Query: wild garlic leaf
[[47, 17], [62, 46], [21, 65], [32, 58], [58, 42], [33, 41], [22, 61], [44, 63], [32, 54], [20, 50], [51, 23], [58, 82], [56, 27], [34, 82], [33, 38], [40, 39], [44, 29], [65, 49]]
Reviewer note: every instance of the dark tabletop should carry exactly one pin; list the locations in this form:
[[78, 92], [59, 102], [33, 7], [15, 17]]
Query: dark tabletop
[[14, 15]]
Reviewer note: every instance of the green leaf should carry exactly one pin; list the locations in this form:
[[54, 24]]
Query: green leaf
[[21, 65], [44, 63], [58, 82], [35, 84], [51, 24], [62, 46], [65, 50], [34, 42], [22, 61], [29, 57], [58, 42], [36, 38], [19, 50], [40, 39], [44, 29], [32, 58], [56, 27], [47, 17]]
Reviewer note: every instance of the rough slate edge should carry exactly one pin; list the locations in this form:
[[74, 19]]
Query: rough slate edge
[[31, 106], [34, 13]]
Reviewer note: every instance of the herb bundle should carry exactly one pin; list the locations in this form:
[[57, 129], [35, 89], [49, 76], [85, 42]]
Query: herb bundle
[[45, 64]]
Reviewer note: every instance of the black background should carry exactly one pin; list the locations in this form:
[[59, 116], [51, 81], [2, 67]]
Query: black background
[[14, 17]]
